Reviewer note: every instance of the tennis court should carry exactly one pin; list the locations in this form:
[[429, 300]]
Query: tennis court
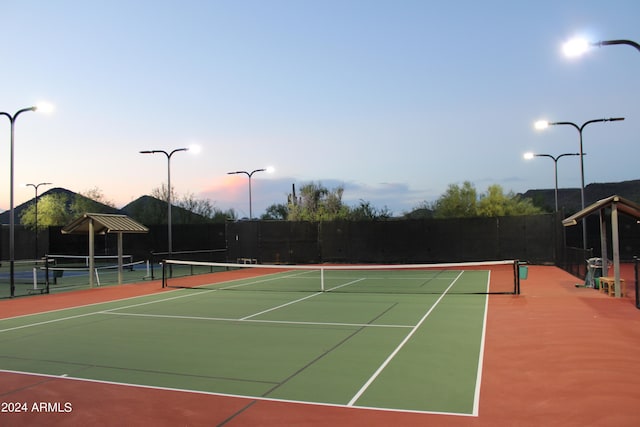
[[556, 355], [278, 338], [65, 273]]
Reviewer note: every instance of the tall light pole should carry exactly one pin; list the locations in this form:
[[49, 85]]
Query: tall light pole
[[544, 124], [12, 255], [555, 159], [170, 245], [249, 174], [35, 187]]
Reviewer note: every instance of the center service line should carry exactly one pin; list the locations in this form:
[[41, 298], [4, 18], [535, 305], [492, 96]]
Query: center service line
[[404, 341]]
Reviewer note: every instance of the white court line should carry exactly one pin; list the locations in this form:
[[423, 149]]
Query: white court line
[[476, 396], [110, 310], [347, 284], [280, 306], [186, 295], [92, 313], [298, 300], [272, 277], [399, 347], [350, 404], [82, 306], [210, 393], [244, 320], [48, 321]]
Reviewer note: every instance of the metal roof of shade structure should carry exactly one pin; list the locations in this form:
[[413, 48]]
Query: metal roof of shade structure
[[95, 223], [103, 224], [615, 204]]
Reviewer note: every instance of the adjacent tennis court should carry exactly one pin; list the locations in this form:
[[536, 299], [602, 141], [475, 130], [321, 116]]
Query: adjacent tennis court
[[62, 273], [407, 340]]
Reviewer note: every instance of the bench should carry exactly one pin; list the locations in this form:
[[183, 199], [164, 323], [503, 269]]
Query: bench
[[608, 285]]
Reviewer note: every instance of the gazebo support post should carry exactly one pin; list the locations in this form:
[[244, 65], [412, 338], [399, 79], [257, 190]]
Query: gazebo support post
[[91, 253], [616, 250], [603, 243], [120, 257]]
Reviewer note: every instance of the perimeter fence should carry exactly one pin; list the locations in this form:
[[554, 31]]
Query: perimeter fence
[[574, 261], [537, 239], [534, 238]]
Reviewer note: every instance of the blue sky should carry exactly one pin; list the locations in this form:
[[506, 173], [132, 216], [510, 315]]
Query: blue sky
[[394, 100]]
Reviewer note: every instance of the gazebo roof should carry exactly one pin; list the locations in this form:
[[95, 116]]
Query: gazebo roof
[[623, 205], [103, 224]]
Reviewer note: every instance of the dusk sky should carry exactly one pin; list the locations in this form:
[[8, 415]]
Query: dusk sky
[[394, 100]]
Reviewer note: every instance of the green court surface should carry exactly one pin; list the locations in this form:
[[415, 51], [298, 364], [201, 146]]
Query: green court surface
[[398, 351]]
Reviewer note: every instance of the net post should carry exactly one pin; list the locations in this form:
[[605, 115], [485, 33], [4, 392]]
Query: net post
[[516, 290], [164, 280], [516, 277], [636, 259], [46, 273], [321, 279]]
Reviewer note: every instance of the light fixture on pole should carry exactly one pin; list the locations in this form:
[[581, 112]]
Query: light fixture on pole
[[529, 156], [249, 174], [577, 46], [35, 187], [169, 237], [12, 255], [543, 124]]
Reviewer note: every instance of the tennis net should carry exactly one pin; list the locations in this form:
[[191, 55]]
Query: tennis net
[[64, 260], [66, 277], [28, 278], [492, 277]]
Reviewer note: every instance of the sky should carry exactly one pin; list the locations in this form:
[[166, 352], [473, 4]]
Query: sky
[[394, 100]]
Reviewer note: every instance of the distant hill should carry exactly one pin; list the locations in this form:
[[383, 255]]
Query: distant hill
[[569, 198], [4, 217], [151, 211], [146, 209]]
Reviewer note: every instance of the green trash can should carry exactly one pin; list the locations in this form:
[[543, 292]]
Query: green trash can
[[523, 271]]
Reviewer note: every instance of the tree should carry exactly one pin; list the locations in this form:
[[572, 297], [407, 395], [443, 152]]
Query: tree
[[317, 203], [53, 210], [190, 209], [496, 203], [92, 200], [203, 209], [59, 209], [364, 211], [162, 193], [464, 202], [457, 202], [277, 212]]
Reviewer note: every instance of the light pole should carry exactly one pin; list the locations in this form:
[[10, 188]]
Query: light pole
[[35, 187], [614, 42], [578, 46], [170, 246], [555, 159], [249, 175], [544, 124], [12, 255]]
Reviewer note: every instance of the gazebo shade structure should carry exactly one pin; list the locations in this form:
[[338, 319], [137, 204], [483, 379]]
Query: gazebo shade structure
[[94, 223], [616, 204]]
